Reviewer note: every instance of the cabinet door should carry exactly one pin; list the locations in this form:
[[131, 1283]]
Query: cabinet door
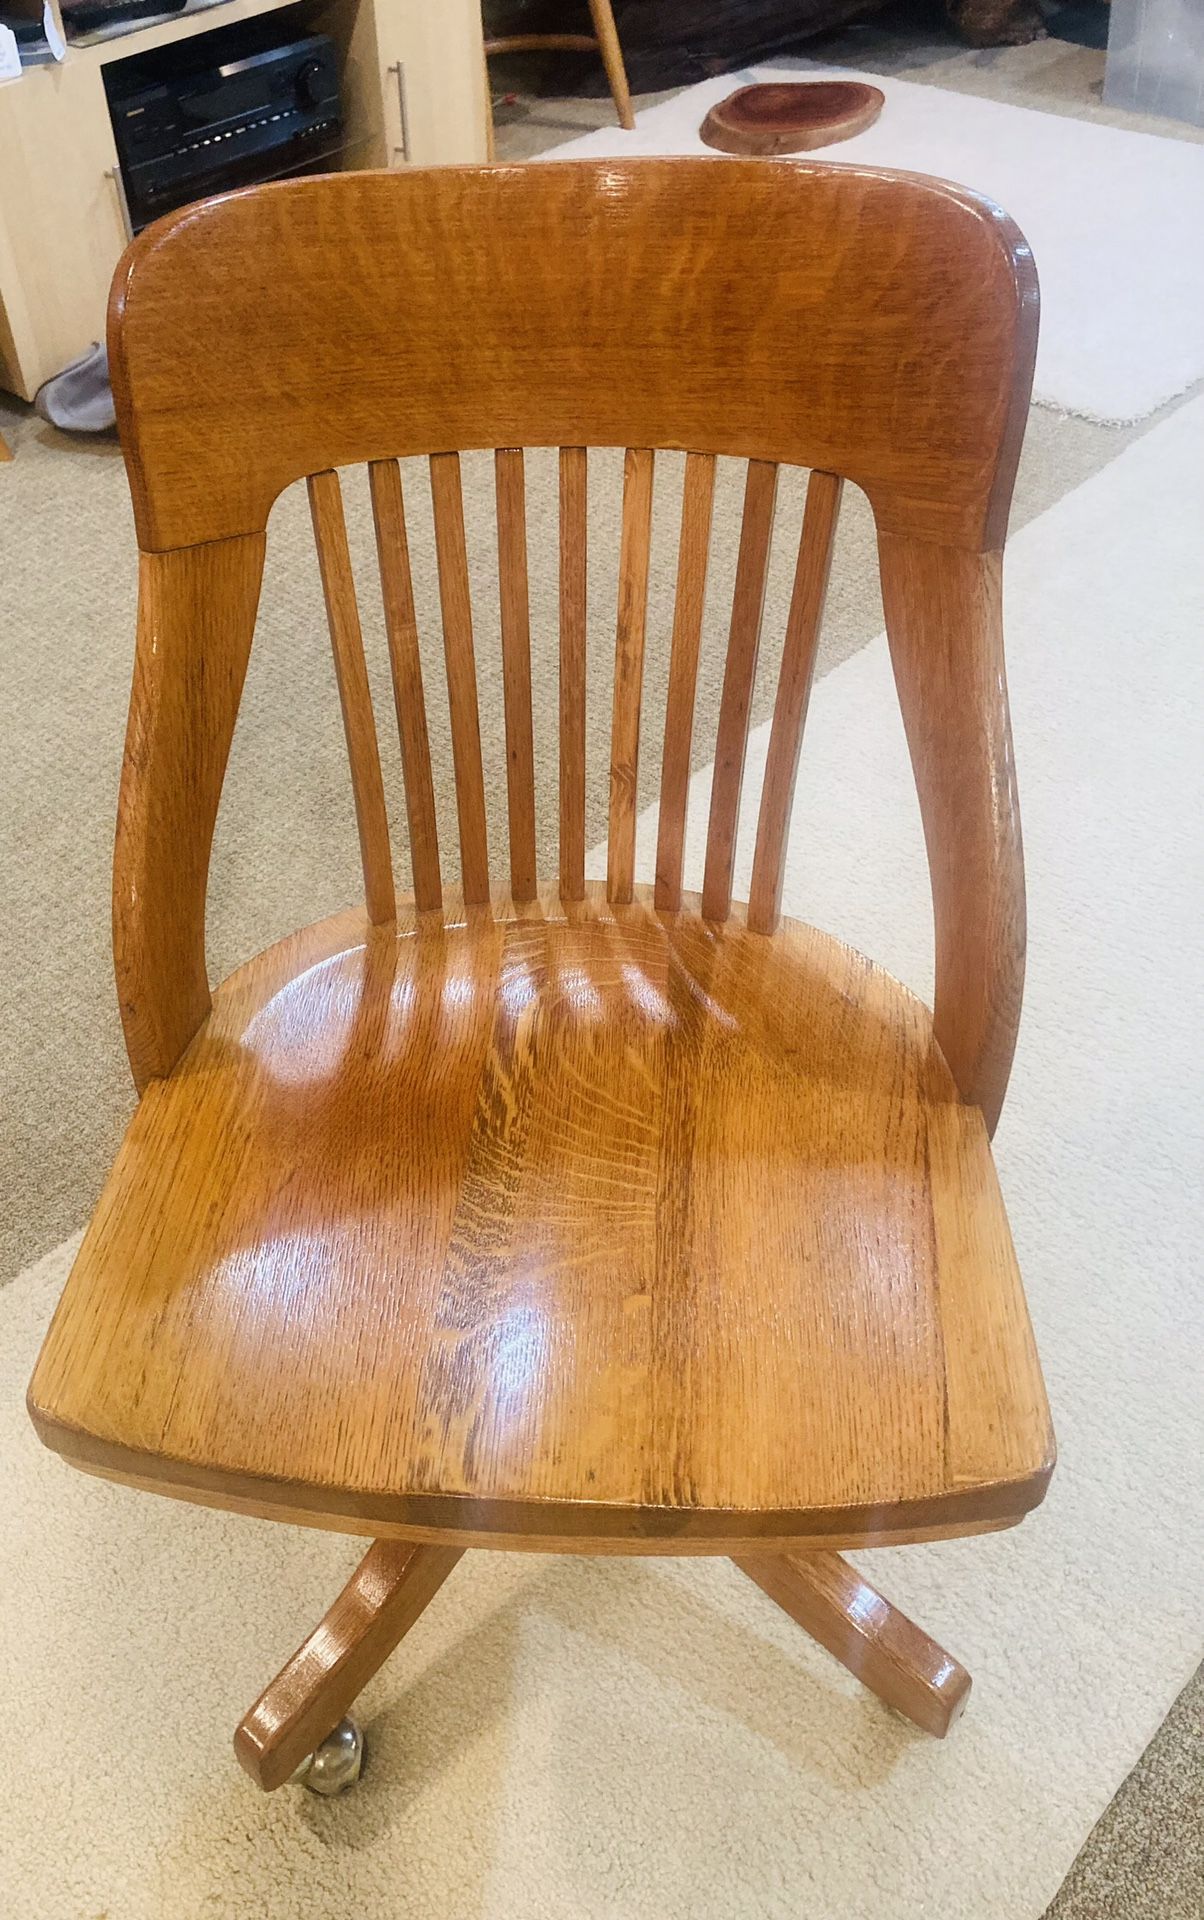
[[61, 225], [432, 66]]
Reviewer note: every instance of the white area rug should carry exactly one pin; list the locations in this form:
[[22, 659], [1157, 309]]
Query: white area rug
[[1115, 221], [584, 1740]]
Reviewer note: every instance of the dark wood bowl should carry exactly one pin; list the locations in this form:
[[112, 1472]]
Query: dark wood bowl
[[791, 116]]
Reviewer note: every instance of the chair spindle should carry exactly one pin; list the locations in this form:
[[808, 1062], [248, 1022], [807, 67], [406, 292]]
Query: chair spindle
[[794, 688], [697, 505], [629, 671], [355, 698], [748, 601], [572, 671], [455, 599], [516, 667], [401, 625]]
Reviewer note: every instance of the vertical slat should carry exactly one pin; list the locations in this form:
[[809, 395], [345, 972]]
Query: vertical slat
[[744, 639], [572, 671], [629, 671], [359, 725], [392, 546], [455, 600], [516, 667], [794, 689], [698, 496]]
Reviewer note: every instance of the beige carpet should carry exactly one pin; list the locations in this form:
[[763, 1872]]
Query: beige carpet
[[567, 1738]]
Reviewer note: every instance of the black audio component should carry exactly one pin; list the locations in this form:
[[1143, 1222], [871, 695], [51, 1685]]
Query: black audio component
[[222, 110]]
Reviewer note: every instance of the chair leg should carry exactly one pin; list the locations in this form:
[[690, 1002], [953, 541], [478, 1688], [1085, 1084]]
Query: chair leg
[[888, 1653], [612, 59], [6, 452], [384, 1596]]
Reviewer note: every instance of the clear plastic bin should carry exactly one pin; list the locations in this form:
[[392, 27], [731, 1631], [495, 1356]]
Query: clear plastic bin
[[1156, 58]]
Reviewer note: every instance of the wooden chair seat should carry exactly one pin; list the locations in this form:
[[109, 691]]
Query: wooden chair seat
[[578, 1220]]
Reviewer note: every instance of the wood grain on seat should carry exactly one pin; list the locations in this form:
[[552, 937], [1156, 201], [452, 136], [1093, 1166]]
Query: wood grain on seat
[[582, 1221]]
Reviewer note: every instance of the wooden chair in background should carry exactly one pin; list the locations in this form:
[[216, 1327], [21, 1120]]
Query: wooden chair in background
[[604, 40], [567, 1217]]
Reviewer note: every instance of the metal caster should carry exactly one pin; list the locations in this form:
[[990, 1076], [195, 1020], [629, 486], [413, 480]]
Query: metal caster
[[336, 1765]]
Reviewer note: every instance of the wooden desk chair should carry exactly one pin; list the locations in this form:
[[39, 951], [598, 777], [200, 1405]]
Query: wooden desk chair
[[572, 1218], [603, 40]]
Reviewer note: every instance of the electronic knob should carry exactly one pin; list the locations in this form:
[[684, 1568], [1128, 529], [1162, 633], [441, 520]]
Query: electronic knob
[[311, 83]]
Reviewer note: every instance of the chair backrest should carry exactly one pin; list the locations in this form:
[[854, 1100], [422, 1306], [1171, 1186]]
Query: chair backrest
[[872, 327]]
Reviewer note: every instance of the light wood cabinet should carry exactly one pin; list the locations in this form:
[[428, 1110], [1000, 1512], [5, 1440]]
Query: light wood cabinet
[[413, 93]]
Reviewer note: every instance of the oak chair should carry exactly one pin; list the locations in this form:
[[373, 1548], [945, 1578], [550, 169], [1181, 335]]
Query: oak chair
[[567, 1217]]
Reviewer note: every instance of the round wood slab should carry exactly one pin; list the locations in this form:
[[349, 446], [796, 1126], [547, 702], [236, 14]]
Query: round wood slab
[[791, 116]]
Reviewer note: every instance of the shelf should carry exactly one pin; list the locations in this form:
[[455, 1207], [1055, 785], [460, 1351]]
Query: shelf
[[121, 29], [128, 37]]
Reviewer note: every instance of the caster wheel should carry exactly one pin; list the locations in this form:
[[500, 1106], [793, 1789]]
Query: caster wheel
[[336, 1765]]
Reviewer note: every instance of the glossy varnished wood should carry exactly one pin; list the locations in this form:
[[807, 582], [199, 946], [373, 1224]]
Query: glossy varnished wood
[[389, 1590], [697, 506], [579, 1223], [196, 615], [393, 553], [903, 326], [573, 582], [634, 551], [790, 707], [944, 621], [355, 698], [456, 1528], [516, 668], [874, 325], [455, 599], [888, 1653], [794, 1312], [744, 640]]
